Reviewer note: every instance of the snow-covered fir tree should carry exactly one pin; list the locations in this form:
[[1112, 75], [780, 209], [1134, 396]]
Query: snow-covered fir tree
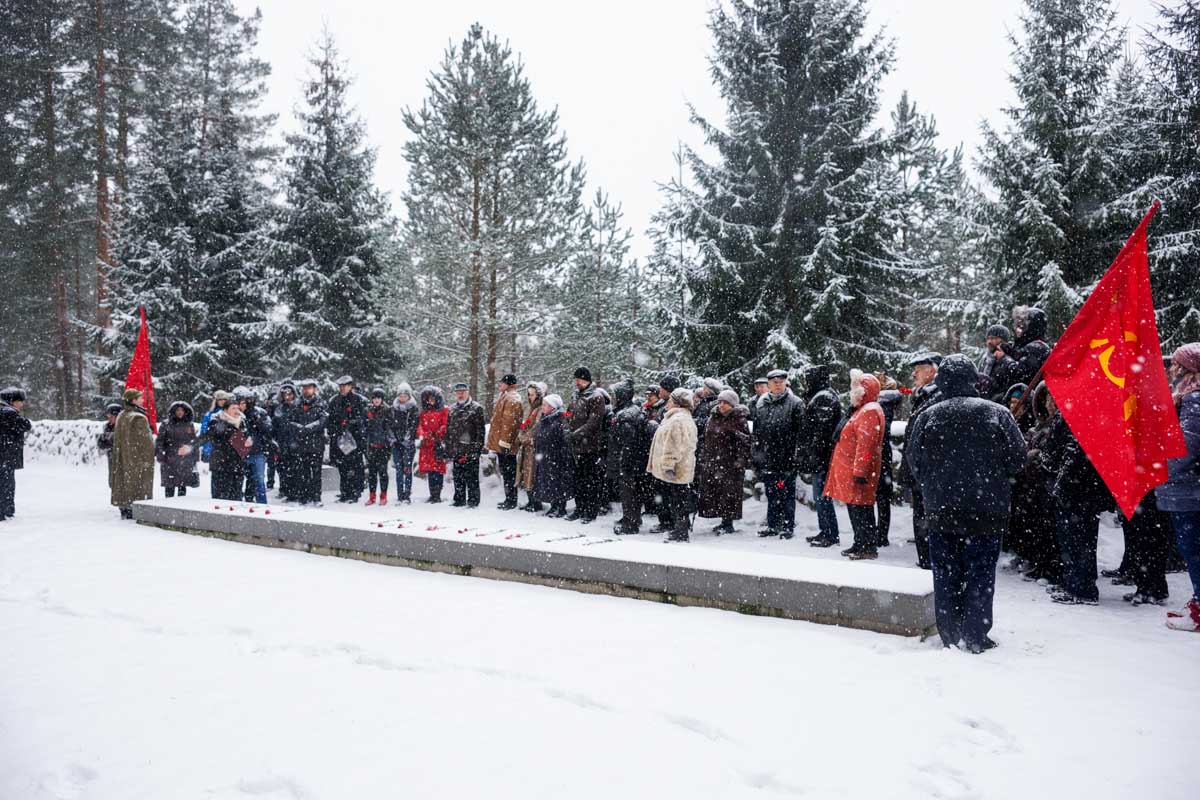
[[492, 216], [1173, 52], [1044, 170], [189, 243], [795, 223], [326, 248]]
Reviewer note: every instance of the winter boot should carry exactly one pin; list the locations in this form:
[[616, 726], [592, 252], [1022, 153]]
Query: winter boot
[[371, 499], [1067, 599], [822, 541], [382, 499], [1143, 599], [863, 554]]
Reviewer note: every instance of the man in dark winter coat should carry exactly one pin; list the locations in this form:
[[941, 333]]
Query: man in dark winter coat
[[257, 428], [284, 436], [307, 420], [270, 407], [347, 439], [998, 368], [464, 443], [822, 413], [13, 427], [889, 400], [587, 433], [964, 452], [629, 437], [405, 416], [925, 394], [760, 388], [1029, 351], [1079, 495], [707, 401], [104, 442], [777, 430]]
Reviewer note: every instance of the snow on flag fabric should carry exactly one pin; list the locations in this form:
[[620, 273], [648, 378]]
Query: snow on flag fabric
[[139, 376], [1106, 375]]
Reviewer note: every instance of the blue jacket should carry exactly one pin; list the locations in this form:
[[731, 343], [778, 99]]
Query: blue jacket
[[964, 451], [1181, 492]]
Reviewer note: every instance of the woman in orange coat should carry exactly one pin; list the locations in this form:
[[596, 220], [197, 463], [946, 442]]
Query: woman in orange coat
[[854, 467]]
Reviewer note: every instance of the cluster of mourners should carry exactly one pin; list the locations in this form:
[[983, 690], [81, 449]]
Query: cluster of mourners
[[987, 460]]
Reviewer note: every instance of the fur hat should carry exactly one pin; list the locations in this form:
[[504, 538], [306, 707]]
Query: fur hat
[[682, 397], [509, 379], [729, 396], [713, 385], [669, 382], [554, 401]]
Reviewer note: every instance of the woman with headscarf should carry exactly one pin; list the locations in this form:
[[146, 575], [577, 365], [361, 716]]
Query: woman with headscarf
[[1180, 495], [554, 478], [855, 465], [724, 458]]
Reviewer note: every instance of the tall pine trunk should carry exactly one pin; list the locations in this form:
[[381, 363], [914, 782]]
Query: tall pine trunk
[[103, 218], [476, 278]]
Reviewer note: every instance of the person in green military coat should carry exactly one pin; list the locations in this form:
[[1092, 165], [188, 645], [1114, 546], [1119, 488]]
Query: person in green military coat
[[132, 455]]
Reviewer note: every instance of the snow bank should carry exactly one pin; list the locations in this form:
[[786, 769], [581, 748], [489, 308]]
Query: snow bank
[[70, 441]]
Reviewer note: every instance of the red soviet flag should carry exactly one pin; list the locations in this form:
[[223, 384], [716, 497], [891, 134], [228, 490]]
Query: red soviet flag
[[139, 376], [1106, 376]]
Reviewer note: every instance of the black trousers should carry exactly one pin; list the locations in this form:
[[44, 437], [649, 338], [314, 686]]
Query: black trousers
[[589, 484], [654, 499], [883, 505], [8, 490], [920, 531], [306, 477], [679, 498], [170, 491], [352, 474], [508, 473], [436, 480], [466, 480], [965, 552], [284, 468], [272, 468], [1148, 539], [631, 490], [862, 520], [378, 461]]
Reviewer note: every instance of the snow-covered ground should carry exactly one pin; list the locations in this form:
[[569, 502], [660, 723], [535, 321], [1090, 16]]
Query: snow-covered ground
[[139, 663]]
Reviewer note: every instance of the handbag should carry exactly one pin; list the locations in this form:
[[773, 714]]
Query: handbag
[[346, 443], [440, 452], [238, 442]]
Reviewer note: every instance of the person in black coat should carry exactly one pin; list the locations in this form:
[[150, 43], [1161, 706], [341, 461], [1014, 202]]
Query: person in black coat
[[587, 436], [629, 437], [1080, 496], [777, 429], [177, 471], [963, 453], [226, 432], [1032, 523], [889, 400], [924, 395], [405, 416], [1029, 350], [307, 421], [554, 479], [284, 439], [466, 430], [379, 446], [13, 427], [725, 458], [259, 439], [347, 438], [104, 442], [818, 431]]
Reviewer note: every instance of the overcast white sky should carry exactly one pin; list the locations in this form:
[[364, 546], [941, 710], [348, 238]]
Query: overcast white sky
[[622, 71]]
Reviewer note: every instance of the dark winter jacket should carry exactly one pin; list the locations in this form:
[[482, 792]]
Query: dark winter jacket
[[629, 437], [281, 429], [224, 458], [724, 459], [1181, 492], [346, 415], [258, 430], [379, 427], [964, 451], [13, 427], [586, 420], [307, 420], [889, 400], [104, 443], [1029, 351], [465, 430], [175, 471], [554, 479], [700, 415], [922, 399], [777, 429], [404, 421], [1075, 484], [655, 410], [819, 422]]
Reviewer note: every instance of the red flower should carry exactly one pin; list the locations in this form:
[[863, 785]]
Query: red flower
[[905, 390]]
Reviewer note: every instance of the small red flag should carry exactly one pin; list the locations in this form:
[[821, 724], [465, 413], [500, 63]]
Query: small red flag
[[139, 376], [1107, 377]]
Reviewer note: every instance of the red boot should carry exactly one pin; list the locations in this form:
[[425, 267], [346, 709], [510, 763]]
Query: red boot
[[383, 498], [1186, 620], [371, 499]]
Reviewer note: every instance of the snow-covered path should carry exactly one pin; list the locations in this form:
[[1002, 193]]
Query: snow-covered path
[[144, 664]]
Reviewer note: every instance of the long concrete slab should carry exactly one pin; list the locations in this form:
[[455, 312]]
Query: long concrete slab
[[856, 595]]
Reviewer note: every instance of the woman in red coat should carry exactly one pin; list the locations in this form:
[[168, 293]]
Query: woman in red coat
[[854, 467], [431, 431]]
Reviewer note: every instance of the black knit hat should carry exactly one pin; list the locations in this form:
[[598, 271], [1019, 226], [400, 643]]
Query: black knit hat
[[999, 331], [583, 374], [509, 379], [378, 392], [113, 409], [13, 394], [669, 382]]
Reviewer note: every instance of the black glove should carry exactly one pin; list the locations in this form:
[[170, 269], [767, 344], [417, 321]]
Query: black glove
[[858, 479]]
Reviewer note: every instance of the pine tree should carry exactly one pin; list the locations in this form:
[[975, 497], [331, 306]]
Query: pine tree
[[327, 243], [1044, 169], [794, 226], [1173, 51], [190, 242], [493, 206]]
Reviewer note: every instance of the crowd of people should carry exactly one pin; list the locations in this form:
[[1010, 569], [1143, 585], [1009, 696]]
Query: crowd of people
[[988, 463]]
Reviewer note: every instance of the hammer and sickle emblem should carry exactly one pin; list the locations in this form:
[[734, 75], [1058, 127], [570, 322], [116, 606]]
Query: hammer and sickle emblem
[[1118, 380]]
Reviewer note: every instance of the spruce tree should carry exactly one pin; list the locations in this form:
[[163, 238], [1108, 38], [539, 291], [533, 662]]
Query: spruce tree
[[327, 244], [794, 225], [190, 241]]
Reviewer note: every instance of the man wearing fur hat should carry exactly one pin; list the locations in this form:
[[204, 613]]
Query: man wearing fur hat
[[587, 432]]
